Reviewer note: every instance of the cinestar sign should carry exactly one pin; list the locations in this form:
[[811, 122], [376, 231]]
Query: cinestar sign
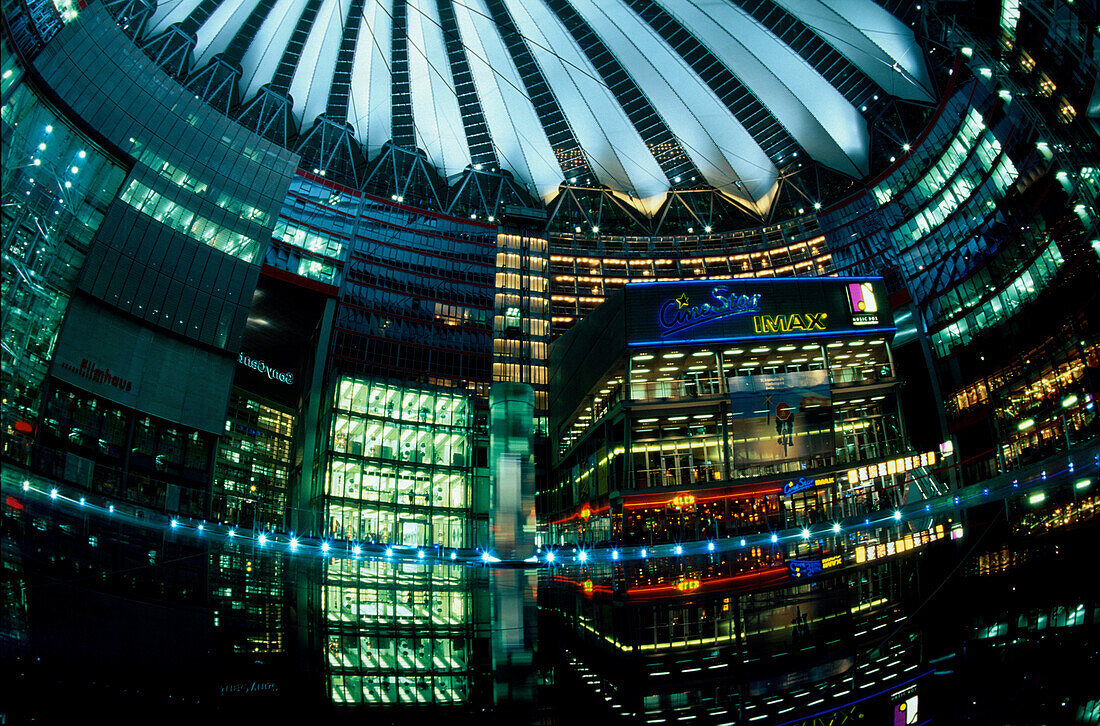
[[262, 367], [679, 314], [750, 309]]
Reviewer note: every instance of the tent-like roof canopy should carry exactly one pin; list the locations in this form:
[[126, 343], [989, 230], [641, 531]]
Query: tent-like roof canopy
[[639, 96]]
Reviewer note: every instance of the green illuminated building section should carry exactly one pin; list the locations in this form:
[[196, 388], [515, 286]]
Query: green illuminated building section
[[398, 633], [400, 465], [399, 471]]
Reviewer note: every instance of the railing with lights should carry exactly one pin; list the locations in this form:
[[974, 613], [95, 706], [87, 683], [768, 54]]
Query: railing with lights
[[1074, 473]]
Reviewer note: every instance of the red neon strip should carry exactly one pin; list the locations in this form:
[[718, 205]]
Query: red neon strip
[[769, 575], [750, 490], [706, 583], [577, 514]]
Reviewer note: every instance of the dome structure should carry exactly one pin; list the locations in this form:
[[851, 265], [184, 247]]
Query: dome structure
[[639, 97], [310, 408]]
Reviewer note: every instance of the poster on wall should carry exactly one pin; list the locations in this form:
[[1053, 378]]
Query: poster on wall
[[780, 416]]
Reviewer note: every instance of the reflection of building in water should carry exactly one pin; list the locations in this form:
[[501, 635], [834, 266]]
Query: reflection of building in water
[[183, 239], [1017, 606], [691, 410], [402, 447], [401, 634], [251, 472], [738, 636]]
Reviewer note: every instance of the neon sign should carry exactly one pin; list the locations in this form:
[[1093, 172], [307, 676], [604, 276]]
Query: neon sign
[[793, 487], [793, 323], [688, 585], [804, 568], [681, 501], [809, 568], [802, 484], [679, 314]]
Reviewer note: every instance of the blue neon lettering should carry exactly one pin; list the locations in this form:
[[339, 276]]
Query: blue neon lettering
[[676, 315]]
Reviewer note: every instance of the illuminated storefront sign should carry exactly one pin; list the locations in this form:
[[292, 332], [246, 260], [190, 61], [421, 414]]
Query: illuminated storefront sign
[[893, 466], [680, 314], [682, 501], [802, 484], [261, 366], [866, 553], [804, 568], [789, 323], [90, 369], [661, 313], [810, 568], [863, 303], [688, 585]]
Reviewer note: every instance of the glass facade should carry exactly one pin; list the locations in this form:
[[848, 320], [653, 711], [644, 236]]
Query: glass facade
[[691, 441], [722, 563], [399, 634], [403, 452], [400, 470], [253, 463], [312, 235], [116, 452], [984, 229], [57, 184]]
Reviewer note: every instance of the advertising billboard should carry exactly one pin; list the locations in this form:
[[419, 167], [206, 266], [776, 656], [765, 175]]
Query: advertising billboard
[[780, 416], [667, 313]]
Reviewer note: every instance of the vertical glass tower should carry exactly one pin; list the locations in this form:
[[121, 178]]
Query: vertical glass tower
[[402, 447]]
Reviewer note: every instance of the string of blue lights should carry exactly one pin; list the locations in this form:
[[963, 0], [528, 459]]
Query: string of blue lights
[[1032, 487]]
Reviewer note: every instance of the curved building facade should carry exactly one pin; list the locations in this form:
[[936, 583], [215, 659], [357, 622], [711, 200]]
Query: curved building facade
[[794, 295]]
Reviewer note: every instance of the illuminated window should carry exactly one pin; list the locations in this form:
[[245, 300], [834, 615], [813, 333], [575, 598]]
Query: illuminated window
[[1067, 111]]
